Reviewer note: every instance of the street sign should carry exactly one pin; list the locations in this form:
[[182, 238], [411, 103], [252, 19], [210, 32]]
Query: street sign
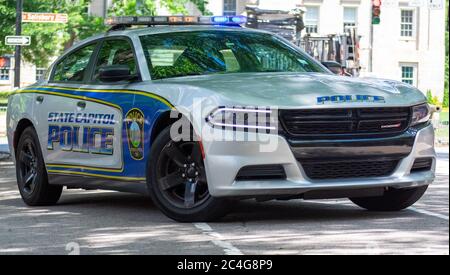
[[18, 40], [39, 17], [435, 4], [416, 3], [390, 4]]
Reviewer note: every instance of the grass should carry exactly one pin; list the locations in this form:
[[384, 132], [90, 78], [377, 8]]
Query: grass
[[4, 98], [3, 101]]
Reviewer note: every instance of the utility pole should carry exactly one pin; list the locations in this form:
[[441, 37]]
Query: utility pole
[[17, 53]]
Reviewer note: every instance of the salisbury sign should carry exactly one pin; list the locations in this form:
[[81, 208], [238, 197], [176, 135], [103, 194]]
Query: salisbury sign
[[38, 17]]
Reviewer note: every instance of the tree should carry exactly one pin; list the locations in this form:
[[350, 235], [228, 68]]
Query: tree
[[201, 5], [446, 88], [48, 39], [145, 7], [149, 7]]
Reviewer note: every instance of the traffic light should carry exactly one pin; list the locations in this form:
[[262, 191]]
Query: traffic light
[[376, 11]]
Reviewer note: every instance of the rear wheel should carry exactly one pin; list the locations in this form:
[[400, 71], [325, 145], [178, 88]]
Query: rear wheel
[[392, 200], [32, 177], [177, 181]]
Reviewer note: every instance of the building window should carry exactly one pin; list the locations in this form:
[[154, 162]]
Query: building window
[[229, 7], [312, 20], [350, 17], [407, 23], [40, 73], [409, 74], [4, 73]]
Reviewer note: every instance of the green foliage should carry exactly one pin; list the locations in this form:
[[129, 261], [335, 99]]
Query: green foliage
[[48, 39], [149, 7], [434, 100], [132, 8], [146, 7], [429, 96], [445, 100], [446, 85], [201, 5], [4, 94], [4, 98]]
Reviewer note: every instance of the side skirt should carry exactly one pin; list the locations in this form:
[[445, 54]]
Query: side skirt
[[93, 183]]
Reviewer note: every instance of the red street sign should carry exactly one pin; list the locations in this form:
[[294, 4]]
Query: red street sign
[[39, 17]]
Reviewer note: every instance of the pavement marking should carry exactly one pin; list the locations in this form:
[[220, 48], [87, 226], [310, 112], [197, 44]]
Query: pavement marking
[[428, 213], [420, 211], [218, 239]]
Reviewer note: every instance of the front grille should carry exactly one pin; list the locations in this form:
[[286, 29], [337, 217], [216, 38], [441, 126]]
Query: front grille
[[261, 172], [344, 122], [321, 170]]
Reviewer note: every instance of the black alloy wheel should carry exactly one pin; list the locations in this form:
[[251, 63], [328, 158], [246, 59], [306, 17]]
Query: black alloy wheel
[[32, 178], [181, 174], [177, 181], [27, 163]]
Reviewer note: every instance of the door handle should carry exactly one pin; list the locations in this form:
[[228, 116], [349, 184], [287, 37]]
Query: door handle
[[39, 99], [81, 104]]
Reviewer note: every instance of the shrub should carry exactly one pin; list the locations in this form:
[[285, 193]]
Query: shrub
[[433, 100]]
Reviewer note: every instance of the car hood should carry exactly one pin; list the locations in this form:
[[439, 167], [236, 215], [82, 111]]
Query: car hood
[[292, 90]]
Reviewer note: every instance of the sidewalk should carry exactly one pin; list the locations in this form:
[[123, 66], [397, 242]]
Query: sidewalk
[[3, 141], [4, 148], [2, 124]]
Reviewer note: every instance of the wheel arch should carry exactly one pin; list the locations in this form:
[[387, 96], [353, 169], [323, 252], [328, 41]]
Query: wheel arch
[[163, 121], [21, 126]]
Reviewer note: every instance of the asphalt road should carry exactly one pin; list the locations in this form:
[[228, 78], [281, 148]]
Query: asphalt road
[[98, 222]]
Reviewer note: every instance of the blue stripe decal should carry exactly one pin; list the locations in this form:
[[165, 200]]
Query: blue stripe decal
[[152, 107]]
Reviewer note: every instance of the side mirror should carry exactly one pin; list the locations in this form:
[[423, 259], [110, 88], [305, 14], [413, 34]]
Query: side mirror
[[115, 73], [333, 66]]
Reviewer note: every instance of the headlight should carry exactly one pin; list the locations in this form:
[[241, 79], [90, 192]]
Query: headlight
[[420, 114], [243, 118]]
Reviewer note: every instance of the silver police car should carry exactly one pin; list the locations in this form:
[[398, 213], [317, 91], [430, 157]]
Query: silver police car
[[197, 112]]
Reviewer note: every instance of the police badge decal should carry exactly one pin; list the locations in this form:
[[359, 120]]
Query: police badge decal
[[134, 121]]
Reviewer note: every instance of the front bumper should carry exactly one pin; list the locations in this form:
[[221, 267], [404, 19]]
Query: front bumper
[[224, 159]]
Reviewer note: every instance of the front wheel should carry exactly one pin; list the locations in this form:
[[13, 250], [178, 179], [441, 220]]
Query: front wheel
[[177, 181], [392, 200]]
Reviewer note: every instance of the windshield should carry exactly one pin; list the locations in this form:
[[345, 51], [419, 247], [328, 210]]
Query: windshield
[[213, 52]]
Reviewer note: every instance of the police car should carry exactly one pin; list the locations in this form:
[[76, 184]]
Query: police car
[[264, 121]]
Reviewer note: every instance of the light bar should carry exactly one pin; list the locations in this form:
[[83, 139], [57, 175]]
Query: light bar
[[176, 20]]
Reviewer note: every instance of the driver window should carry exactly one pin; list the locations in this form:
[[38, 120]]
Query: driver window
[[115, 52]]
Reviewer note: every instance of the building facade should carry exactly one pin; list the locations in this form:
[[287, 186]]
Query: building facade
[[408, 45], [29, 73]]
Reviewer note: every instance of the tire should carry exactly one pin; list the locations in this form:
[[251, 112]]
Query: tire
[[392, 200], [32, 178], [174, 159]]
